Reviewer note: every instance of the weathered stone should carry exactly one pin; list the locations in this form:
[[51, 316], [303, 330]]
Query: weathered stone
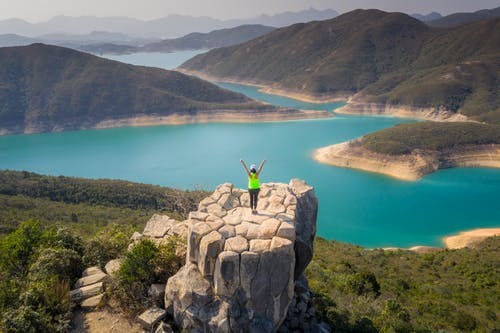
[[236, 244], [241, 229], [180, 229], [157, 291], [253, 231], [79, 294], [112, 266], [286, 230], [195, 233], [91, 279], [136, 236], [228, 201], [92, 302], [91, 271], [216, 210], [199, 216], [164, 328], [252, 283], [227, 273], [248, 268], [157, 226], [205, 202], [210, 247], [268, 228], [227, 231], [260, 245], [149, 318]]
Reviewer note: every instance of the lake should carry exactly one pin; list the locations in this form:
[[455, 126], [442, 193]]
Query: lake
[[358, 207]]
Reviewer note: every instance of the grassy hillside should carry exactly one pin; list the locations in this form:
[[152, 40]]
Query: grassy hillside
[[385, 57], [47, 87], [404, 138], [457, 19], [85, 204], [361, 290], [355, 289]]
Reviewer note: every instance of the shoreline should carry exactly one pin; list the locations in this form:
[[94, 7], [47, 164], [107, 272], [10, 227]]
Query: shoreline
[[400, 111], [268, 88], [409, 167], [201, 117], [462, 239]]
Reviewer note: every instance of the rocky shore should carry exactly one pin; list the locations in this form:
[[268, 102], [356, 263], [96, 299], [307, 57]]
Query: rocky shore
[[410, 167]]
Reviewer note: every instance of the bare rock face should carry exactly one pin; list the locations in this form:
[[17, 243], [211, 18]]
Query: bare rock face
[[241, 268]]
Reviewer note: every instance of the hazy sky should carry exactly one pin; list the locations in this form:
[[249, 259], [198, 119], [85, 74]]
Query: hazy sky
[[40, 10]]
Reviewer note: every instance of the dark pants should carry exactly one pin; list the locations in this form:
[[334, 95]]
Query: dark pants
[[254, 196]]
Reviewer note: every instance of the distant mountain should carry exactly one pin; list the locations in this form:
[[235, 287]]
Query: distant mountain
[[426, 18], [15, 40], [168, 27], [457, 19], [216, 38], [390, 58], [46, 88]]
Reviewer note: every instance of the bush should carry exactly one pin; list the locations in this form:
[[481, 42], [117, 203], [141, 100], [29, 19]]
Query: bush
[[108, 244], [145, 264], [65, 264]]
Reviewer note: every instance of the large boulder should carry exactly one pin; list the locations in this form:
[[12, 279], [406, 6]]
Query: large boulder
[[241, 268]]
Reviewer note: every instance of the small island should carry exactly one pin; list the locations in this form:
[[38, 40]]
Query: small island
[[410, 151]]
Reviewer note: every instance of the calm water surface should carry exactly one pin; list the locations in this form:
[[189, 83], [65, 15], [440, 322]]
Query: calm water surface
[[363, 208]]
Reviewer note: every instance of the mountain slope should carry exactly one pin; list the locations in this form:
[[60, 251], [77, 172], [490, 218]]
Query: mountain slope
[[45, 88], [390, 58], [428, 17], [216, 38], [457, 19]]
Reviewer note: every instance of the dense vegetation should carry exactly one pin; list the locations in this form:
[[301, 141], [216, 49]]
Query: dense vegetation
[[389, 58], [44, 87], [355, 289], [431, 136], [85, 204], [360, 290]]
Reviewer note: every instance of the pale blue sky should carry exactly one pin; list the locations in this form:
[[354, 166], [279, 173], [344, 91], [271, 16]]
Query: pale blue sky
[[40, 10]]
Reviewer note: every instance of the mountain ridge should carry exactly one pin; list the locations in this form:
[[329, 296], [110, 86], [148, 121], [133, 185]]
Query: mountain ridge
[[385, 61]]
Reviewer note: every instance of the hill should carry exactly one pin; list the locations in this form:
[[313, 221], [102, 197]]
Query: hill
[[48, 88], [354, 289], [428, 17], [391, 58], [213, 39], [457, 19]]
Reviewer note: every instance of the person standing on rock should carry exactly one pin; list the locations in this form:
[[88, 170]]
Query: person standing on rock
[[253, 183]]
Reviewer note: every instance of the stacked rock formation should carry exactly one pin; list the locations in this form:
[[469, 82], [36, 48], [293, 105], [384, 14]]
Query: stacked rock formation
[[89, 289], [241, 268]]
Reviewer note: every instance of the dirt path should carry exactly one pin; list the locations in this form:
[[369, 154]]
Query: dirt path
[[105, 320]]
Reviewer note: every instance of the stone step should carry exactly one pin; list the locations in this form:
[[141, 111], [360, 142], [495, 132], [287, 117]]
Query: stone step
[[80, 294], [151, 316], [91, 279], [92, 302]]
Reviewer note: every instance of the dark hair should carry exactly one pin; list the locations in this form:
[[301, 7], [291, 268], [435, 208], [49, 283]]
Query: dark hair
[[253, 171]]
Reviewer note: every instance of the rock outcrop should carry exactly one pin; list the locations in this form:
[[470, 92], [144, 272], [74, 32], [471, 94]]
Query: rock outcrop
[[242, 269]]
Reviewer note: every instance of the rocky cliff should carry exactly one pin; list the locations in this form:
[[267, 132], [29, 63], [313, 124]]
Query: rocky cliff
[[244, 272]]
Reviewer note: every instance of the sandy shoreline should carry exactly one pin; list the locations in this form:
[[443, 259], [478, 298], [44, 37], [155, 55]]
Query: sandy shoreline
[[469, 238], [213, 116], [410, 167], [269, 88]]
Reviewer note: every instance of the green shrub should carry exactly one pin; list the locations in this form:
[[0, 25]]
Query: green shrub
[[65, 264], [109, 243], [145, 264]]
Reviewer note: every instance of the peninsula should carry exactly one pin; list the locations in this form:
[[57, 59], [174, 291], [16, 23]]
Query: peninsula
[[410, 151], [48, 88]]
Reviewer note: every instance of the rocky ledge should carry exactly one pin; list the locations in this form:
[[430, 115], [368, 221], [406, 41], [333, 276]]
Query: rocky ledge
[[241, 268], [244, 272]]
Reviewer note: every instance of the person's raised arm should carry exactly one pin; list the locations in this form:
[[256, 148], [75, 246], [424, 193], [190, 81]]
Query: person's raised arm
[[245, 167], [260, 167]]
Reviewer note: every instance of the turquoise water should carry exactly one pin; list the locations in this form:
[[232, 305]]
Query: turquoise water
[[363, 208], [162, 60]]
